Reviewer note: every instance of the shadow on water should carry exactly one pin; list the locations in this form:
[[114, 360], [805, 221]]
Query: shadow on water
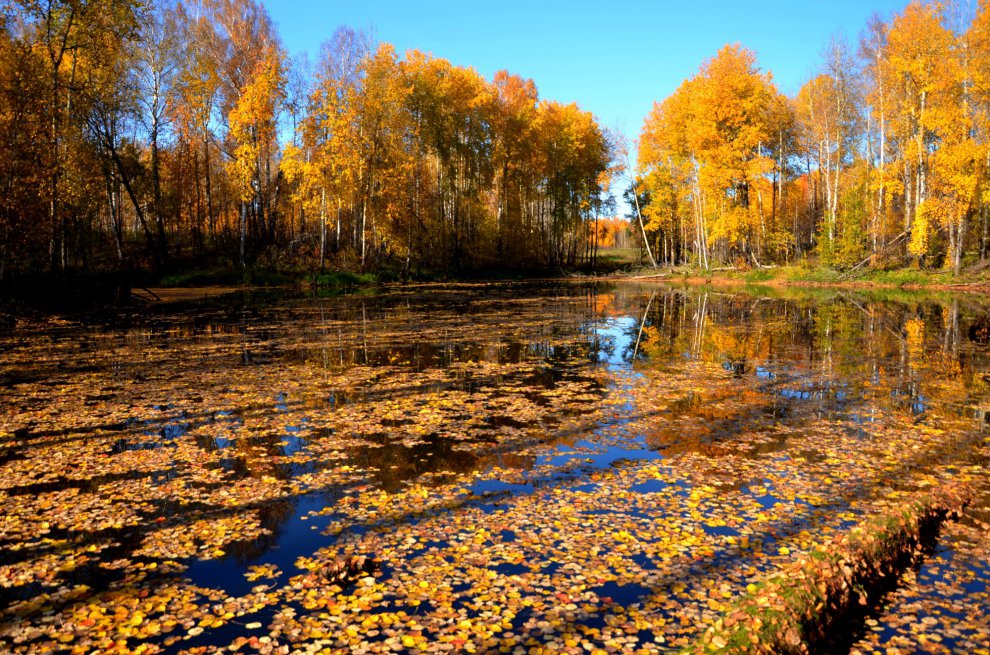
[[393, 464], [797, 361]]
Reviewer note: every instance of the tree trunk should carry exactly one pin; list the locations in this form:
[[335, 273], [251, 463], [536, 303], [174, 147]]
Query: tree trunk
[[109, 143], [3, 252], [243, 234], [156, 190], [919, 187], [113, 206], [323, 228], [985, 235], [909, 207], [642, 228], [53, 182], [364, 225], [960, 236], [209, 190]]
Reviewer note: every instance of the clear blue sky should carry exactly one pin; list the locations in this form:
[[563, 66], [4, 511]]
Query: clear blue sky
[[612, 58]]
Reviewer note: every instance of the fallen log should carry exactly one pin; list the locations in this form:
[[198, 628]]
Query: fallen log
[[649, 277]]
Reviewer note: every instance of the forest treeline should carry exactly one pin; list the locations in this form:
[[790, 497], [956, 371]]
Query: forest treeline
[[168, 133], [174, 134], [882, 157]]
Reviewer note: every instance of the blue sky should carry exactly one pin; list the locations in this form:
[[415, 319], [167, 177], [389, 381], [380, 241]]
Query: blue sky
[[612, 58]]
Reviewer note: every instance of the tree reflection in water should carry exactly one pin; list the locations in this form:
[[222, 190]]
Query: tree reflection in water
[[601, 458]]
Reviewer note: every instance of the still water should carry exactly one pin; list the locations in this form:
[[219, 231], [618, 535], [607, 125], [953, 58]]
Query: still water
[[490, 467]]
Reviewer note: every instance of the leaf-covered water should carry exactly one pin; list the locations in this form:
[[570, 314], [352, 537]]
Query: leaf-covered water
[[489, 468]]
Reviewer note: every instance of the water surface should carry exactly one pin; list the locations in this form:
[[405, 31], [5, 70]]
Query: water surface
[[515, 462]]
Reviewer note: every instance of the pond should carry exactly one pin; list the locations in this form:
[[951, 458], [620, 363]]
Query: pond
[[475, 468]]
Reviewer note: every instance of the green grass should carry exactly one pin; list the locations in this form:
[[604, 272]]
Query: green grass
[[903, 276], [342, 279], [258, 277], [335, 283], [269, 277], [623, 255], [818, 275], [793, 274], [202, 277], [265, 277], [759, 275]]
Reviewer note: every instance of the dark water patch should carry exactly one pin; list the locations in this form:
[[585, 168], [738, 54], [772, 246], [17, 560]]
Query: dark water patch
[[130, 445], [36, 438], [397, 422], [643, 561], [391, 463], [495, 487], [768, 501], [498, 421], [236, 467], [8, 455], [588, 456], [493, 495], [290, 538], [368, 352], [292, 444], [719, 530], [85, 484], [97, 399], [624, 594], [650, 487], [509, 569]]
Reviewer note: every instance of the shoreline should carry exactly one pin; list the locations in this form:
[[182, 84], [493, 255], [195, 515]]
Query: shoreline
[[343, 284], [696, 279]]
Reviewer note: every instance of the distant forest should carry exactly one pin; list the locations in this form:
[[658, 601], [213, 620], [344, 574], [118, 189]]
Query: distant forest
[[167, 134], [882, 158], [174, 134]]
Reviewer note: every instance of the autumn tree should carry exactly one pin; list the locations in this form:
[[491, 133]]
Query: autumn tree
[[71, 39], [827, 111], [978, 95], [716, 132], [513, 150], [155, 67], [875, 160], [195, 116], [175, 131], [323, 165], [24, 131], [922, 80]]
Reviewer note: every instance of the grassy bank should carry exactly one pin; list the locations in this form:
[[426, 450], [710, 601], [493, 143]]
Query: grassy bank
[[78, 291], [902, 277], [975, 279], [83, 291], [269, 277], [812, 603]]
